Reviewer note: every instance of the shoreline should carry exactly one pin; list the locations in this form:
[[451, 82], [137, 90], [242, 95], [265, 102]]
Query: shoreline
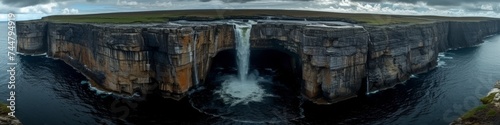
[[5, 119], [486, 114]]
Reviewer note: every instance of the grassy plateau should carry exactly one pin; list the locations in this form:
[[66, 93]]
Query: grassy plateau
[[170, 15]]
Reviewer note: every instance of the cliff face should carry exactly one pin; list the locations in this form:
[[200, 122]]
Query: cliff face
[[332, 59], [31, 36], [131, 58], [334, 62], [117, 58], [396, 52], [465, 34]]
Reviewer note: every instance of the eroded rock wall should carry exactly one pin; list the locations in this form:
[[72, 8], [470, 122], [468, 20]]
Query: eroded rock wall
[[116, 58], [33, 37], [333, 59], [466, 34], [396, 52], [181, 55]]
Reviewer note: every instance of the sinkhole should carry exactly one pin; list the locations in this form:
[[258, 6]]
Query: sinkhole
[[270, 92], [284, 67]]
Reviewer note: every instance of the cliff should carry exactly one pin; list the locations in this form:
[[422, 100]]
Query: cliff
[[335, 62], [396, 52]]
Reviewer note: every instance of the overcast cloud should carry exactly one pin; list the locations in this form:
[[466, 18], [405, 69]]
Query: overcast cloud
[[435, 2], [34, 9]]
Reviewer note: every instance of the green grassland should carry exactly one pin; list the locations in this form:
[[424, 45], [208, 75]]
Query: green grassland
[[486, 112], [164, 16], [3, 109]]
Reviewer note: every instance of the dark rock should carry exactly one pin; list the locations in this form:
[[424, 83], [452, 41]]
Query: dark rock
[[8, 120], [497, 84]]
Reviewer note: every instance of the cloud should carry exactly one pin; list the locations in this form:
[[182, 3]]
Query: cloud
[[244, 1], [40, 8], [143, 4], [69, 11], [3, 17], [431, 2], [126, 3], [404, 8], [24, 3]]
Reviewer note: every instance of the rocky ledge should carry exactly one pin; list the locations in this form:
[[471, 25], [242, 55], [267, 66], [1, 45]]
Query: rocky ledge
[[486, 114], [335, 61], [8, 120]]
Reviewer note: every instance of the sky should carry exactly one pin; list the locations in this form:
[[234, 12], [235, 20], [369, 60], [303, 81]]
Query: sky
[[35, 9]]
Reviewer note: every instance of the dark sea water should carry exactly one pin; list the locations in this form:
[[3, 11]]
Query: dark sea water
[[49, 92]]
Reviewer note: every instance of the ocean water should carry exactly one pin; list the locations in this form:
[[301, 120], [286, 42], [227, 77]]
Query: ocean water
[[50, 92]]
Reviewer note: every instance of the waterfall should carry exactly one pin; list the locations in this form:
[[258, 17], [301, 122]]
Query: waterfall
[[366, 64], [237, 93], [242, 38], [244, 86], [367, 86], [195, 63]]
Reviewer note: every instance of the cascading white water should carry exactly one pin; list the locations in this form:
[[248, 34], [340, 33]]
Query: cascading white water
[[195, 63], [244, 87], [367, 73], [242, 32], [367, 86]]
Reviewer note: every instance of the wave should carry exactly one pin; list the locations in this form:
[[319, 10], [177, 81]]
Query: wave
[[105, 94]]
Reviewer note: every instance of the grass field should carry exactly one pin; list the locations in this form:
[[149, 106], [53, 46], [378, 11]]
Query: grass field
[[164, 16]]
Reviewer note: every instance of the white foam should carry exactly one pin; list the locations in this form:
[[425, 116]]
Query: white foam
[[494, 90], [235, 91], [443, 56], [440, 54], [440, 63], [105, 94], [97, 91], [413, 76], [373, 92], [24, 54], [441, 59]]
